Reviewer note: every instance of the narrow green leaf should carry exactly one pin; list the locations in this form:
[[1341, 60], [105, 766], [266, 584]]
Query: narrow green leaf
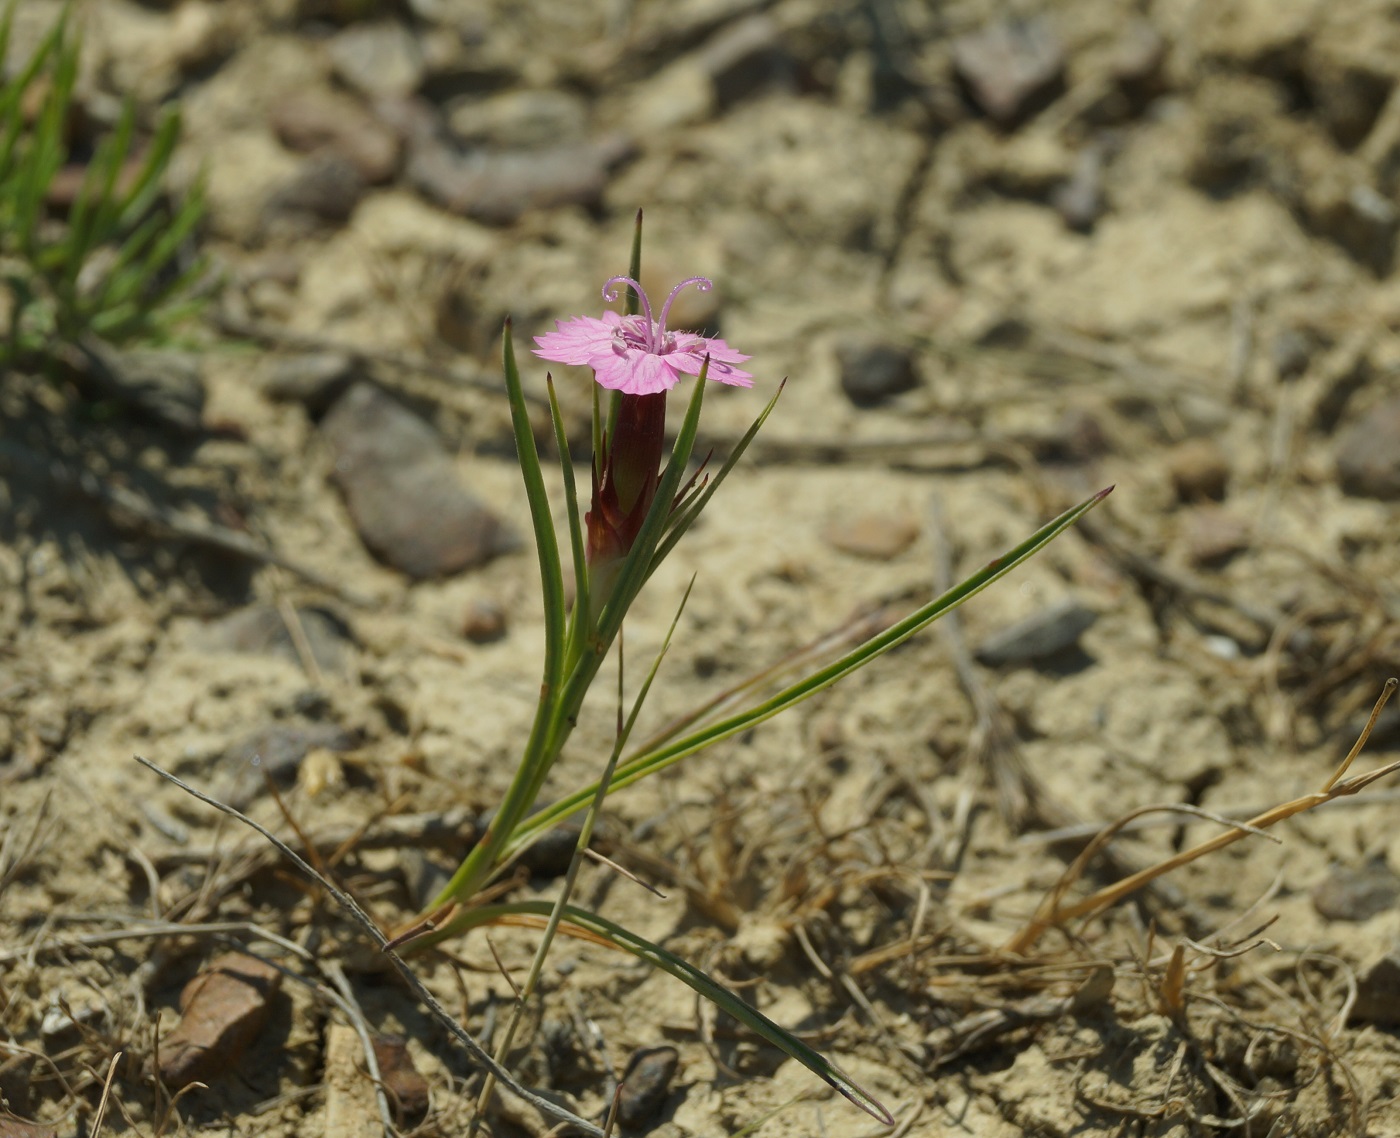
[[688, 974], [685, 517], [640, 766], [538, 753], [579, 625]]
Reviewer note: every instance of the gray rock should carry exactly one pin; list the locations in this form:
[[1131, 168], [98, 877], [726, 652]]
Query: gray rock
[[522, 119], [1368, 453], [380, 58], [169, 386], [1357, 892], [1011, 69], [1378, 991], [318, 119], [261, 629], [1079, 199], [745, 58], [500, 186], [1039, 637], [873, 372], [313, 379], [402, 490], [275, 751], [645, 1086], [328, 187]]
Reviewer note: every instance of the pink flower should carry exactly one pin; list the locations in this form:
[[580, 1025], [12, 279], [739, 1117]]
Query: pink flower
[[636, 354]]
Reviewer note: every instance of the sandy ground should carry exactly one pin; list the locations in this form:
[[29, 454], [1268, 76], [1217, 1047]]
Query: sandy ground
[[1163, 261]]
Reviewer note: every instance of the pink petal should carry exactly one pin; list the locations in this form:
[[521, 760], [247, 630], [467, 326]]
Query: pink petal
[[691, 362], [577, 341], [635, 373], [715, 347]]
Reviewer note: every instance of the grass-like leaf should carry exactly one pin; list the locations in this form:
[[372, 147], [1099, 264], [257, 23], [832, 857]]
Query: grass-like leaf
[[640, 766], [720, 996]]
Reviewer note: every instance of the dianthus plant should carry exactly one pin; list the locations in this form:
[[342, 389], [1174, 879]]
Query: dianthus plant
[[641, 505]]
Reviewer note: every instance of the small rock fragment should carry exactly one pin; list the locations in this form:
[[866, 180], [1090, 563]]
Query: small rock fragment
[[1011, 69], [313, 379], [378, 59], [485, 622], [408, 1090], [747, 57], [645, 1085], [315, 119], [1040, 636], [873, 372], [1213, 535], [167, 385], [1378, 991], [880, 537], [262, 629], [276, 751], [1368, 453], [16, 1070], [524, 119], [1079, 199], [1290, 353], [402, 489], [222, 1011], [1137, 62], [1199, 470], [328, 187], [500, 186], [1357, 892]]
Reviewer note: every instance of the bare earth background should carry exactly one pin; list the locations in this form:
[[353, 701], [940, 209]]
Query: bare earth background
[[1007, 254]]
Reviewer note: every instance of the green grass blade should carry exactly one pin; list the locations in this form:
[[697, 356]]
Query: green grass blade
[[538, 753], [578, 630], [690, 510], [640, 766], [95, 210], [688, 974]]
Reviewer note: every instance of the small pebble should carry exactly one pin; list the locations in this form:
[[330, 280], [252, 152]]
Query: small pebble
[[1357, 892], [1199, 470], [485, 622], [317, 119], [1213, 535], [221, 1012], [1079, 199], [328, 187], [408, 1090], [378, 59], [275, 751], [526, 119], [402, 489], [498, 186], [1040, 636], [262, 629], [1011, 69], [167, 385], [1378, 991], [880, 537], [313, 379], [646, 1085], [873, 372], [1290, 353], [1368, 453]]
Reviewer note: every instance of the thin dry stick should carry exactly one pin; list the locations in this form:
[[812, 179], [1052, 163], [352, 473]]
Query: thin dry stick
[[1051, 913], [360, 917], [106, 1095]]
